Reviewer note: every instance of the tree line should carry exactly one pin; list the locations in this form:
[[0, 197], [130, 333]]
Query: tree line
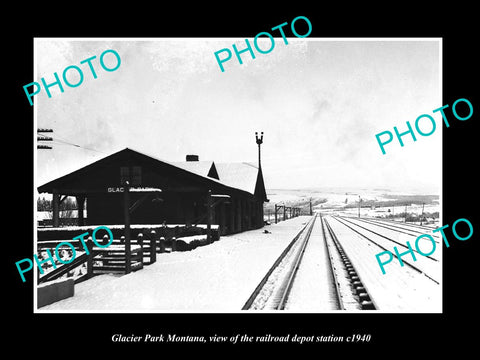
[[44, 204]]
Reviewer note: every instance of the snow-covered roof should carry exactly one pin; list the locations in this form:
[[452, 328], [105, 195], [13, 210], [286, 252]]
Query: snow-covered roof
[[242, 176], [238, 175], [202, 168]]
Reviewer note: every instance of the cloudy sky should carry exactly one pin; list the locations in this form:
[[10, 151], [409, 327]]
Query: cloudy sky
[[320, 103]]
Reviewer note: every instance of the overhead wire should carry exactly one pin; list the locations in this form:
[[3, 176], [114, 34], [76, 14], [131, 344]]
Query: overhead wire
[[62, 141]]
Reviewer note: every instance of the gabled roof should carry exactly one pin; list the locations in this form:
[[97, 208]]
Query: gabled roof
[[203, 168], [240, 176]]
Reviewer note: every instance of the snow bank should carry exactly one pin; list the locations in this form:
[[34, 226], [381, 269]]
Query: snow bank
[[190, 242]]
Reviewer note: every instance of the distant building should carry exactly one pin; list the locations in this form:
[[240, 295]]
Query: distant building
[[238, 189]]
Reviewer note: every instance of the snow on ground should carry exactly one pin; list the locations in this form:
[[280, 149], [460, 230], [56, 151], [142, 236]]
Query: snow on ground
[[386, 211], [400, 289], [339, 198], [215, 278], [313, 289], [285, 196]]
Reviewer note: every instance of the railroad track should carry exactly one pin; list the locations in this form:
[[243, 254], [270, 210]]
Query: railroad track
[[274, 289], [354, 286], [399, 227], [353, 221], [360, 230]]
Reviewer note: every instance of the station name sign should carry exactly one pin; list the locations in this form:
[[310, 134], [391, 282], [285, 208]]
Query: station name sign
[[115, 189], [132, 189]]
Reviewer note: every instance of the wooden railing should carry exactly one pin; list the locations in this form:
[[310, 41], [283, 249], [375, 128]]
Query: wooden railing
[[100, 260], [63, 269]]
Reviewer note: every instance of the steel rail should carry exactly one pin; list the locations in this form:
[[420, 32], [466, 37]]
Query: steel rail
[[385, 249], [262, 283], [288, 283], [386, 237], [364, 298], [339, 300]]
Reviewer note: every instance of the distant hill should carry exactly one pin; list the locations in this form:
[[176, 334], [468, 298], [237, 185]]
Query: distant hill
[[346, 198]]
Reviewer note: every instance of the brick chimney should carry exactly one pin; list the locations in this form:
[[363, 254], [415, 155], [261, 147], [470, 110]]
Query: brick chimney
[[191, 158]]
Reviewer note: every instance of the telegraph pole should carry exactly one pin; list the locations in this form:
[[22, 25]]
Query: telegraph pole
[[43, 138], [421, 218], [359, 200]]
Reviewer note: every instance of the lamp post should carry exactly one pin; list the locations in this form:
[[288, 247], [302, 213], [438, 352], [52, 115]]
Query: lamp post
[[259, 143]]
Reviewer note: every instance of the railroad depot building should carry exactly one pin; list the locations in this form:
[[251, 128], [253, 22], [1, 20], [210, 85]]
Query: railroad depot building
[[179, 192]]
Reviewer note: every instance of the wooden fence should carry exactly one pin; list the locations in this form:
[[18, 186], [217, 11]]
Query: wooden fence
[[99, 260]]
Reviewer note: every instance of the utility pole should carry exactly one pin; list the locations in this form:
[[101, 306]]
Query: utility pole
[[359, 200], [43, 138], [421, 218]]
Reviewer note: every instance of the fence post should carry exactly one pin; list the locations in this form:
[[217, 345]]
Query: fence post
[[140, 254], [90, 258], [140, 242], [153, 248], [153, 242], [162, 244]]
